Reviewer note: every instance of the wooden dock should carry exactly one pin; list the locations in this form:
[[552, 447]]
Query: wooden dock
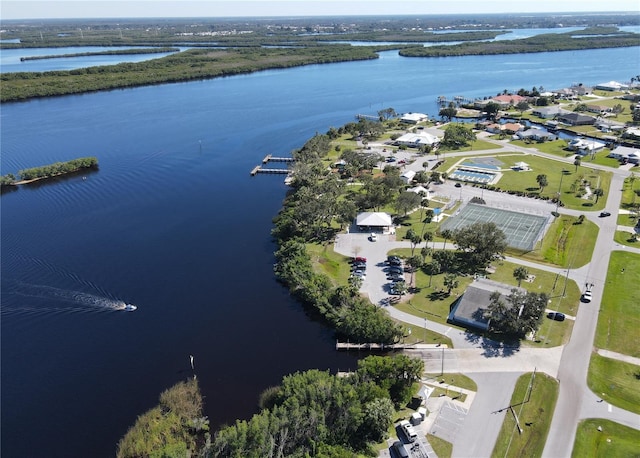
[[373, 346], [259, 169], [270, 158]]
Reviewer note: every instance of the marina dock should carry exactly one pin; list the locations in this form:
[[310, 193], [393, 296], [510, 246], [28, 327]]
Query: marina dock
[[388, 347]]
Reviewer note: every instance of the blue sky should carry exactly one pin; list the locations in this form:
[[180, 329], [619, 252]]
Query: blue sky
[[42, 9]]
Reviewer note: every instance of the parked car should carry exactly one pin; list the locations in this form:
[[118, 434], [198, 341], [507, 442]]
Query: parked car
[[359, 273], [394, 260], [604, 214], [359, 266], [557, 316], [586, 296], [402, 162], [391, 159], [373, 237], [400, 450], [458, 185], [396, 277], [359, 259], [395, 270]]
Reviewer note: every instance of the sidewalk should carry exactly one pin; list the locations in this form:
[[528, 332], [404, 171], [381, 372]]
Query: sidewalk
[[618, 356]]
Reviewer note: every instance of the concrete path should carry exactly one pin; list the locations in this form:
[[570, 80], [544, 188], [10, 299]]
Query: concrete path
[[618, 356]]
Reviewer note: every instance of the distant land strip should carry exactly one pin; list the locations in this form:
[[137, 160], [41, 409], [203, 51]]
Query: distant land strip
[[118, 52]]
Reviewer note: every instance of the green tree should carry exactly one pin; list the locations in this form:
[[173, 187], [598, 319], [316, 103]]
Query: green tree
[[457, 136], [522, 106], [483, 242], [434, 269], [448, 113], [387, 114], [378, 415], [520, 273], [577, 162], [450, 282], [492, 109], [446, 235], [407, 201], [598, 192], [542, 181]]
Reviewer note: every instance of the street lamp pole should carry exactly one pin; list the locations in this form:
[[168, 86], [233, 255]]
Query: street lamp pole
[[559, 190]]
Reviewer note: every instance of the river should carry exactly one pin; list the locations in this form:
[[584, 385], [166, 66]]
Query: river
[[173, 223]]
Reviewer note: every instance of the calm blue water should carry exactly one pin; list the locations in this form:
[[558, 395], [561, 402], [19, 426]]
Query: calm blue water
[[173, 223], [10, 58]]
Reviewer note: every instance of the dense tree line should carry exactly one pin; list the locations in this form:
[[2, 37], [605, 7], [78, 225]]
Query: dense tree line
[[594, 38], [309, 214], [316, 414], [193, 64], [310, 414], [176, 427], [58, 168]]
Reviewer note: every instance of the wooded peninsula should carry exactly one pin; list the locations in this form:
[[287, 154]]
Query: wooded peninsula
[[224, 48]]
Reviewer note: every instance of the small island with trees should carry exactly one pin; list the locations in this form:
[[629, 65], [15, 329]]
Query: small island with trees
[[49, 171]]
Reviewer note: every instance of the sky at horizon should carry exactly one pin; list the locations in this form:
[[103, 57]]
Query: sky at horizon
[[56, 9]]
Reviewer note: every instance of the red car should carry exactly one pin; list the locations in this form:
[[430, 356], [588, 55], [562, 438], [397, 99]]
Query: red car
[[359, 259]]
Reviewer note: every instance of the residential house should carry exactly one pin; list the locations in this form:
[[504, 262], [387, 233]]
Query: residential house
[[548, 112], [414, 118], [576, 119], [626, 154], [508, 100], [585, 146], [612, 86], [536, 134]]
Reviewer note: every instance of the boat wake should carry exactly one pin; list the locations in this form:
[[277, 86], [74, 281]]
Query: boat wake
[[56, 299]]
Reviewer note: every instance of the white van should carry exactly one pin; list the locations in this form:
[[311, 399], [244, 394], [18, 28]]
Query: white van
[[408, 431]]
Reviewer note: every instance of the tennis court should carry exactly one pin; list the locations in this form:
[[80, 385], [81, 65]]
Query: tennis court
[[521, 229]]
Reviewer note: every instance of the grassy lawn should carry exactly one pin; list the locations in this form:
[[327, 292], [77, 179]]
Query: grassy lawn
[[421, 335], [614, 441], [615, 381], [327, 261], [565, 244], [557, 147], [534, 416], [625, 238], [426, 303], [569, 183], [442, 448], [454, 379], [620, 308]]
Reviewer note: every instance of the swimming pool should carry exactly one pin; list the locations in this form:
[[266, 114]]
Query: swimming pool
[[473, 176]]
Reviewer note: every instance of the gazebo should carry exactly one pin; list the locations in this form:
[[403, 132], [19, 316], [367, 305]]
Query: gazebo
[[374, 221]]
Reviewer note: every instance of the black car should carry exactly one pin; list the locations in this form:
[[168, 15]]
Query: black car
[[359, 265], [557, 316], [458, 185], [394, 260], [603, 214], [396, 277], [396, 270]]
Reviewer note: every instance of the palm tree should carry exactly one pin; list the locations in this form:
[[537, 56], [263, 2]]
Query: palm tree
[[446, 234], [450, 282], [542, 181], [520, 273], [577, 163], [434, 267], [598, 192]]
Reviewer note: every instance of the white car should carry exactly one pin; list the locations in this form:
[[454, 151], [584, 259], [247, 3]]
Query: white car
[[373, 237], [586, 296]]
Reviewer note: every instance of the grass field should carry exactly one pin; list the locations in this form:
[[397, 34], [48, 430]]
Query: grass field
[[442, 448], [534, 417], [625, 238], [427, 303], [458, 380], [615, 381], [614, 441], [620, 308]]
